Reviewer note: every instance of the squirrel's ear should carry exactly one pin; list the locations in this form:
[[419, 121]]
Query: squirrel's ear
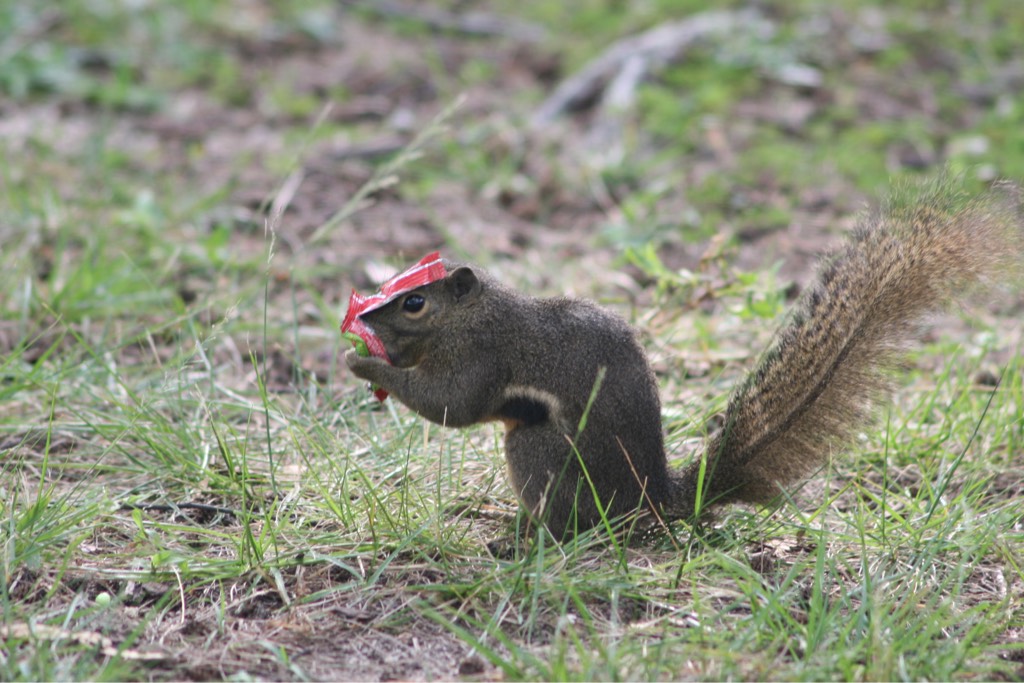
[[464, 282]]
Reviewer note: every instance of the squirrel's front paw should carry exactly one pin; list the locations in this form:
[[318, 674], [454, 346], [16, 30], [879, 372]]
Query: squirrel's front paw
[[363, 366]]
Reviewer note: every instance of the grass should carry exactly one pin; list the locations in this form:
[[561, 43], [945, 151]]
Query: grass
[[192, 487]]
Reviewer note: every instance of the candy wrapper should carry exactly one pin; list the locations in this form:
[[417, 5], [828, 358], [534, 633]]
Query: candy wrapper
[[428, 269]]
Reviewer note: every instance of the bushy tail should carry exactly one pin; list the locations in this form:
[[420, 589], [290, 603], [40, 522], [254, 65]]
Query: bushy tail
[[832, 361]]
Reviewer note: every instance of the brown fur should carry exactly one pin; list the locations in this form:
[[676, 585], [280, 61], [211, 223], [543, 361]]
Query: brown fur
[[480, 351]]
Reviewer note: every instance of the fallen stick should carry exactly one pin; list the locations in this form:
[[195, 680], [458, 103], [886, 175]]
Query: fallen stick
[[635, 56]]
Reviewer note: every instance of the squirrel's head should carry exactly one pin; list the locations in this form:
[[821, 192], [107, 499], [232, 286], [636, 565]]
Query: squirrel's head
[[417, 322]]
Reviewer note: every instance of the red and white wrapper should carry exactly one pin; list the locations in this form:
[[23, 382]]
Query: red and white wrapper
[[428, 269]]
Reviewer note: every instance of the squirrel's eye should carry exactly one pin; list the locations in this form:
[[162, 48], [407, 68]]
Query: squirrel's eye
[[413, 303]]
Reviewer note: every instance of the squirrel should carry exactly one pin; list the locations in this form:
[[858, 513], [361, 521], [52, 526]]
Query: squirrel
[[580, 403]]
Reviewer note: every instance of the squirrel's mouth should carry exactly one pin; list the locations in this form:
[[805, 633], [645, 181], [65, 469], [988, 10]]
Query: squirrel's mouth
[[401, 362], [409, 358]]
